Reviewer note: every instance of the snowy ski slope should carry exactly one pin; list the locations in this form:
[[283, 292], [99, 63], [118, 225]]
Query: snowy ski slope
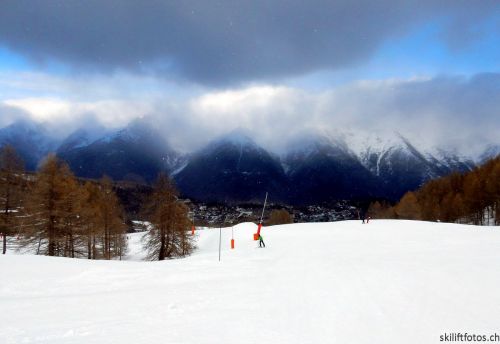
[[342, 282]]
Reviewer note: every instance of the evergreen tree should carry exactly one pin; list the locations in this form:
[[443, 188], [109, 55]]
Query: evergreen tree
[[473, 198], [11, 186], [279, 217], [458, 208], [91, 215], [50, 208], [168, 237], [110, 222], [408, 208], [469, 198], [380, 210]]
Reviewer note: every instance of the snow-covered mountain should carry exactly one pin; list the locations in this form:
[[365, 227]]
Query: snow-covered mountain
[[376, 152], [232, 168], [400, 166], [82, 137], [490, 152], [322, 169], [32, 141], [316, 167], [347, 165], [135, 153]]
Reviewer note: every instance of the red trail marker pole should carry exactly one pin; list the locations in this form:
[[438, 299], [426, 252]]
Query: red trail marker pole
[[257, 235]]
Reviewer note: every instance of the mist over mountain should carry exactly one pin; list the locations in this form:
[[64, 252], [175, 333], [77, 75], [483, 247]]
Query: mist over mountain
[[82, 137], [31, 140], [490, 151], [232, 168], [136, 153], [400, 166], [323, 170], [316, 167]]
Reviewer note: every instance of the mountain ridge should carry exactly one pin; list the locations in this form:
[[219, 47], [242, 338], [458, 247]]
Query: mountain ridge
[[315, 167]]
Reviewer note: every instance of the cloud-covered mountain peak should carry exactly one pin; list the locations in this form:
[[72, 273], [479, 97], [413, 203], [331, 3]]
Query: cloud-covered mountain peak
[[310, 142], [24, 126], [232, 168], [236, 137], [362, 142], [32, 141], [82, 137], [491, 151]]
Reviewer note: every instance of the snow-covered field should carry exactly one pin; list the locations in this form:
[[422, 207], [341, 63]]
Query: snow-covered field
[[343, 282]]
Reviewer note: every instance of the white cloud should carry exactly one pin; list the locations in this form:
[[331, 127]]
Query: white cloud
[[42, 109], [448, 111], [63, 116]]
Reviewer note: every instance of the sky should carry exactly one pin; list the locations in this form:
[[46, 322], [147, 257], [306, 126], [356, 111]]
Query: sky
[[199, 68]]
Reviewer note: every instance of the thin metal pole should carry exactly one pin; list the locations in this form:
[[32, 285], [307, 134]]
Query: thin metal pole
[[262, 216], [220, 234], [220, 240]]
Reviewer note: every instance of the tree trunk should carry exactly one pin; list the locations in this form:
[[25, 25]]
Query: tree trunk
[[89, 247], [72, 246], [7, 206], [39, 244], [66, 246], [4, 243], [497, 214], [106, 238], [52, 241], [162, 246], [93, 247]]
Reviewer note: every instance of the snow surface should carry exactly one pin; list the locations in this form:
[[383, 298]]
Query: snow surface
[[342, 282], [372, 143], [368, 145]]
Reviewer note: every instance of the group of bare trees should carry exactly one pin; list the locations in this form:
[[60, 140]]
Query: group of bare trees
[[53, 213], [473, 197]]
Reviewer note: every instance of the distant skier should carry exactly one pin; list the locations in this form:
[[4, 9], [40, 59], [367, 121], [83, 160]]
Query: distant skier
[[362, 215], [261, 241], [368, 219]]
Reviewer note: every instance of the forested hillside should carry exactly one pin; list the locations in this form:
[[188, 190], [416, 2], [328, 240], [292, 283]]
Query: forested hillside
[[473, 197]]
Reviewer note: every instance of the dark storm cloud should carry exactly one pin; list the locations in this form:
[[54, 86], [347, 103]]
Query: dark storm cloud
[[219, 41]]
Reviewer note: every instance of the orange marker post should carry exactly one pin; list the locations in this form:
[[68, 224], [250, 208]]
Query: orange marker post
[[232, 238], [192, 230]]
